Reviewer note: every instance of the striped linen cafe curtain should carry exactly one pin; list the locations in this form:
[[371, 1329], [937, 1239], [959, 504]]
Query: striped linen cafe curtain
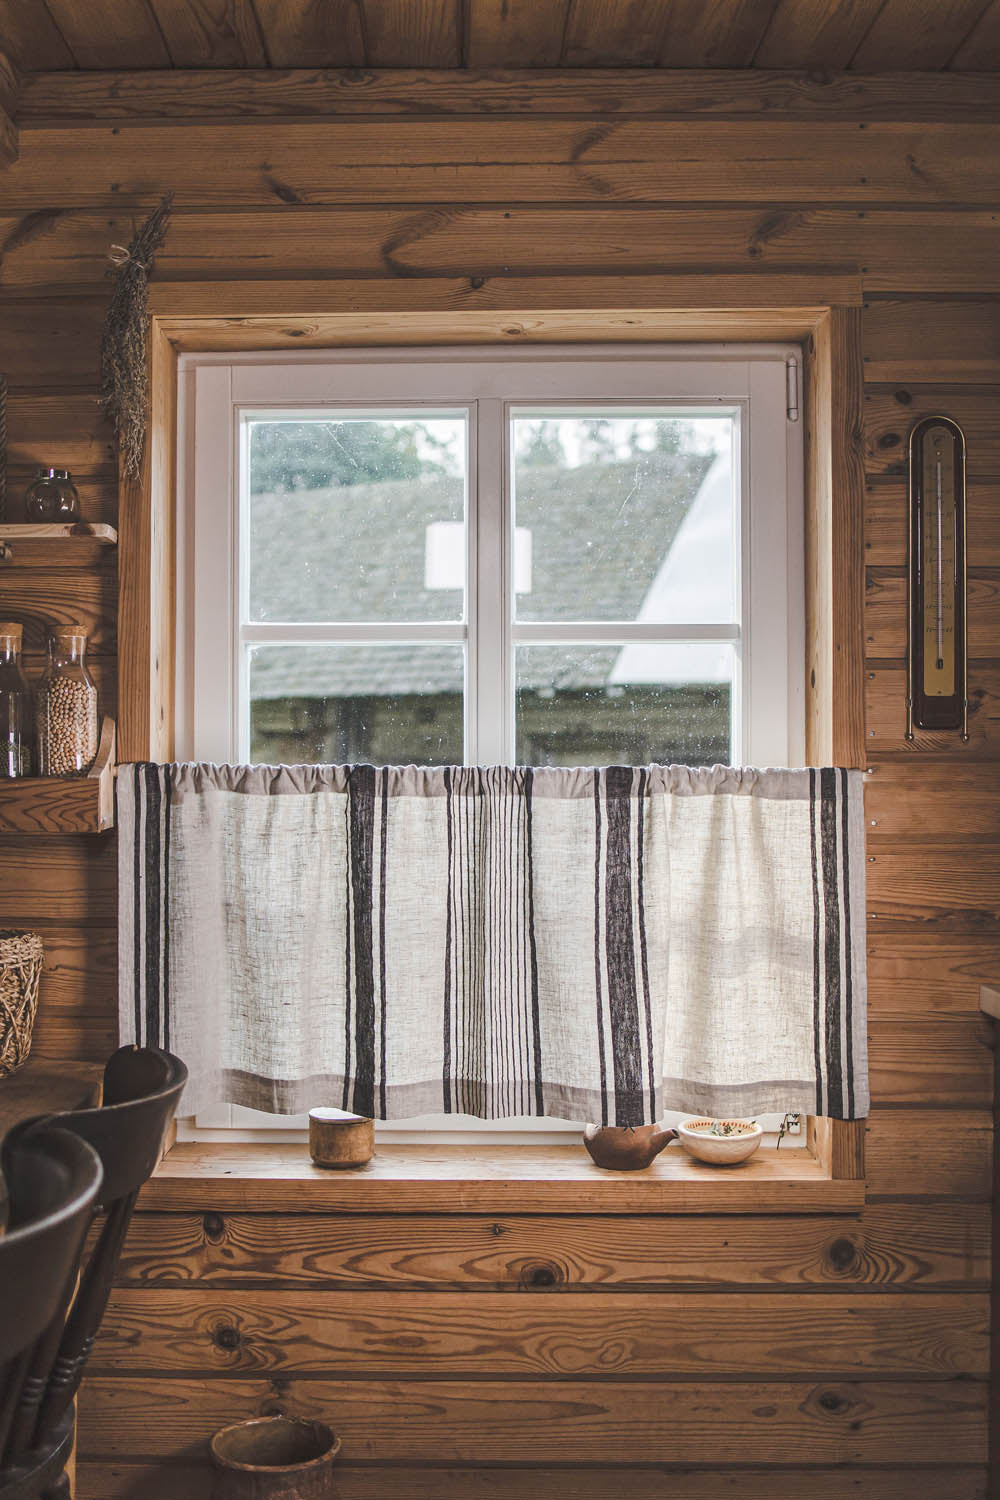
[[594, 945]]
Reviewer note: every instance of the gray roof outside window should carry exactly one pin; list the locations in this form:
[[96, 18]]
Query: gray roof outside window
[[311, 552]]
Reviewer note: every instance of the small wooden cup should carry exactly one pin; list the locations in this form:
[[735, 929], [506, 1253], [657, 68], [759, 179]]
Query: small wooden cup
[[339, 1139], [274, 1458]]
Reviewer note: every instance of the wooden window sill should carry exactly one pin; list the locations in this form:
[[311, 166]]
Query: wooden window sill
[[491, 1179]]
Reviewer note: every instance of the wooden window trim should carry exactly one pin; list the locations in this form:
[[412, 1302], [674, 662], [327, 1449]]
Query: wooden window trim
[[198, 316]]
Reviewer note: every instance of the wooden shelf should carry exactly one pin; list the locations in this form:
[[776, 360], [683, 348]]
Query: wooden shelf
[[64, 804], [58, 531], [22, 542]]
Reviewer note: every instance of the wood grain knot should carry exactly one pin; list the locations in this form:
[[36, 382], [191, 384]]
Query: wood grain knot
[[830, 1401], [889, 440], [541, 1275], [842, 1253], [903, 397], [226, 1337], [214, 1226]]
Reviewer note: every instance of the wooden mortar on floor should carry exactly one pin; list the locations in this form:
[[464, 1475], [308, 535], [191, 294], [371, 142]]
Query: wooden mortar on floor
[[339, 1139]]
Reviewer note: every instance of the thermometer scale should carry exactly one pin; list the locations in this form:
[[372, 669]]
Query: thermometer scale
[[937, 695]]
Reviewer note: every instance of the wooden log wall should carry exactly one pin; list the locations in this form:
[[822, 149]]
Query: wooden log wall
[[566, 1355]]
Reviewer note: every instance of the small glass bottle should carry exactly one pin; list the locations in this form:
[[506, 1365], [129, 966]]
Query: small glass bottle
[[52, 496], [15, 706], [66, 707]]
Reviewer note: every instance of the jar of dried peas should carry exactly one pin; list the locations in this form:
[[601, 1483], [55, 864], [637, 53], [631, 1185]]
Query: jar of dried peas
[[66, 707]]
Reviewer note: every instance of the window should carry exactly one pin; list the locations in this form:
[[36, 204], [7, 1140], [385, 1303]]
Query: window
[[547, 556]]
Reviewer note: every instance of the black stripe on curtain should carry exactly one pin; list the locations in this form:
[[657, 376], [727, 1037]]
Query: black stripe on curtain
[[383, 1012], [137, 912], [361, 802], [619, 940], [505, 1018], [476, 1070], [643, 951], [848, 950], [465, 835], [448, 938], [598, 987], [151, 881], [348, 964], [167, 788], [529, 876], [817, 922], [831, 927]]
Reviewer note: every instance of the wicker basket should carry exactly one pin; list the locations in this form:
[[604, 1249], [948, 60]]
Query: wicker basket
[[20, 971]]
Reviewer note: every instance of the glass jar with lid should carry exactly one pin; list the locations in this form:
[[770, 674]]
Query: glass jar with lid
[[52, 496], [15, 706], [66, 707]]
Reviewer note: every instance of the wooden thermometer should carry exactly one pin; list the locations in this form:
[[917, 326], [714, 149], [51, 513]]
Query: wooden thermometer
[[937, 696]]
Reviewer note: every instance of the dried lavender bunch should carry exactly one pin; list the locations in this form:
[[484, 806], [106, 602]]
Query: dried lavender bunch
[[124, 369]]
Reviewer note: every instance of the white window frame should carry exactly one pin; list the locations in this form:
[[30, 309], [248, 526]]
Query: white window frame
[[217, 391]]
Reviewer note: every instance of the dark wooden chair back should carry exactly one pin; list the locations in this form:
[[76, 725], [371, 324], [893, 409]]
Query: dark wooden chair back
[[53, 1179], [142, 1087]]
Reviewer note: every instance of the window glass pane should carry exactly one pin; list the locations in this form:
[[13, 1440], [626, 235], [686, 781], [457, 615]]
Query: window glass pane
[[624, 705], [384, 704], [625, 517], [357, 518]]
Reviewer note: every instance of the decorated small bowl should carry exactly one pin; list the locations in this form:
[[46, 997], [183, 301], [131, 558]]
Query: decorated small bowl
[[722, 1143]]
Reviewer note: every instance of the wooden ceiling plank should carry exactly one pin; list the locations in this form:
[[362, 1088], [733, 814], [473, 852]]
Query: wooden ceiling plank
[[815, 33], [515, 33], [714, 33], [110, 33], [31, 37], [316, 92], [916, 34], [980, 52], [312, 33], [211, 33], [614, 33], [412, 33]]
